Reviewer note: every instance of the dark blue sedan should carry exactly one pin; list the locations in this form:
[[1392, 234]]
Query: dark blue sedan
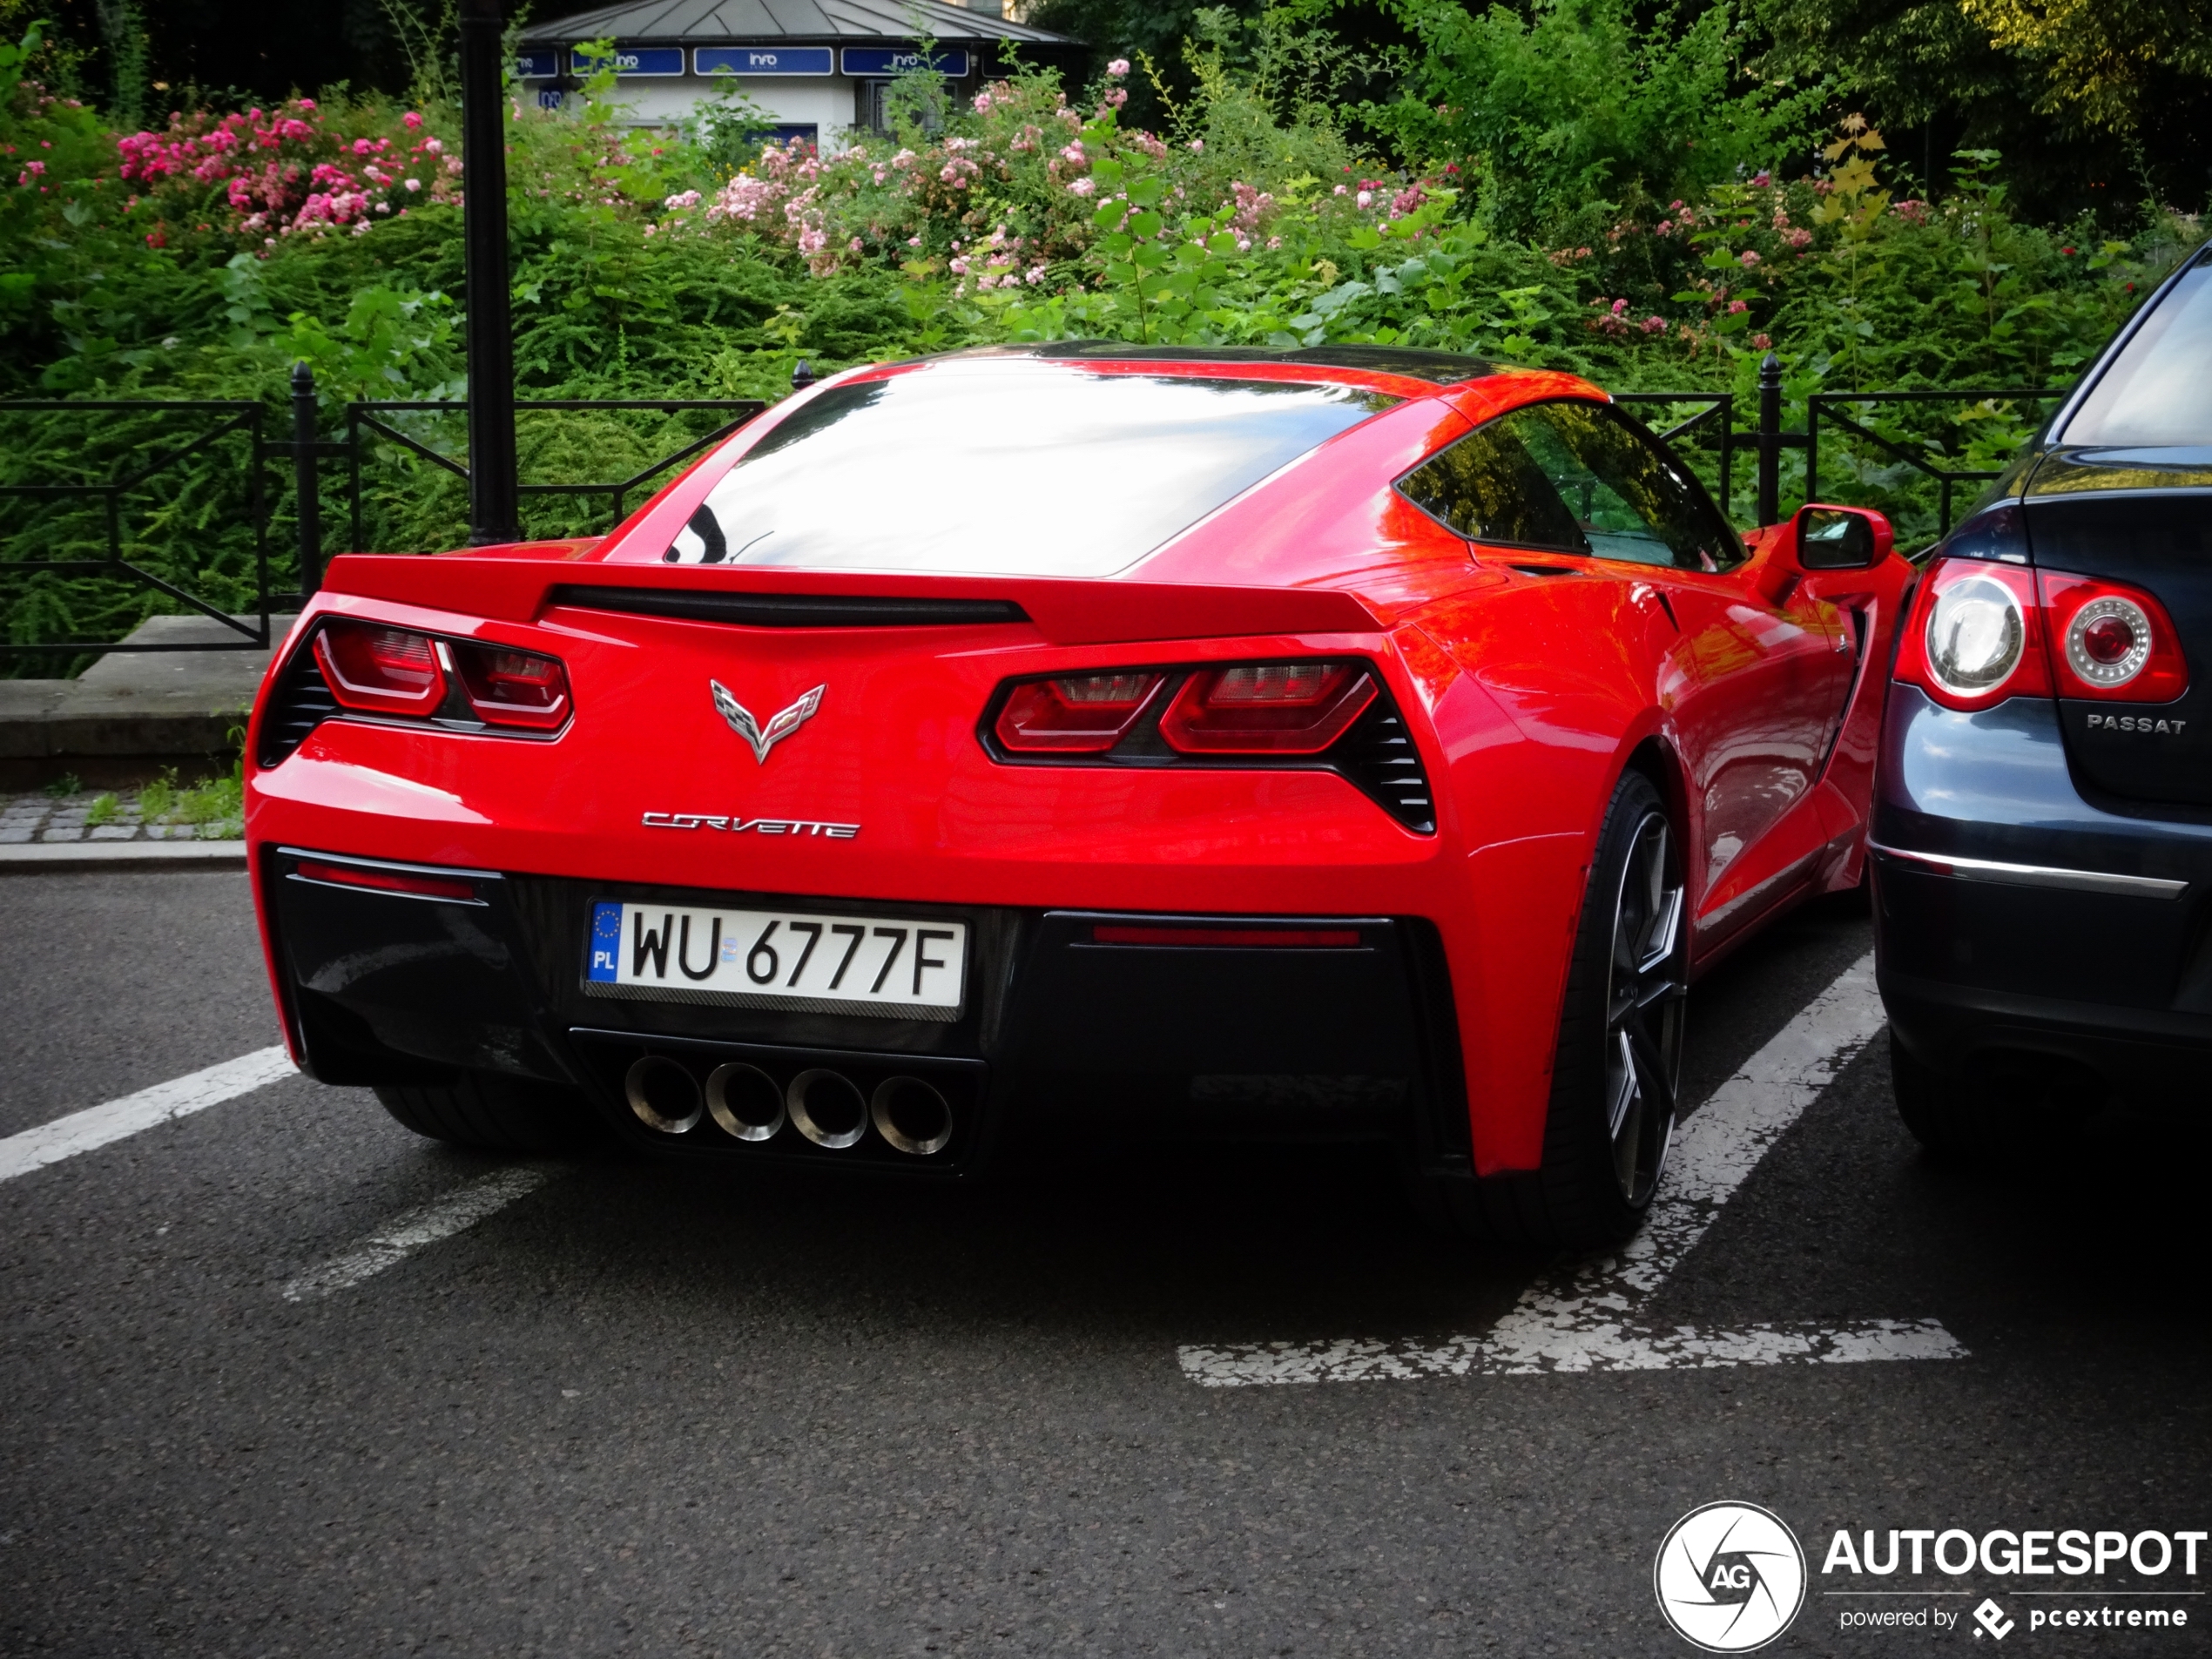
[[2043, 819]]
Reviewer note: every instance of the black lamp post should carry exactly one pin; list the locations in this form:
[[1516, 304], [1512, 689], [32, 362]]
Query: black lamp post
[[493, 514]]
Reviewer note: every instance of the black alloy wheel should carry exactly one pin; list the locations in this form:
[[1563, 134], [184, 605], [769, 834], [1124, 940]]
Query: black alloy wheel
[[1644, 1000]]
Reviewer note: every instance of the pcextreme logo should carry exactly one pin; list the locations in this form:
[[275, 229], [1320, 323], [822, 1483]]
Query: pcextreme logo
[[1730, 1577]]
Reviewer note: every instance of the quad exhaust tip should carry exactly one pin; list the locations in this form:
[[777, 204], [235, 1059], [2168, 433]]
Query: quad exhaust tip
[[664, 1095], [745, 1102], [914, 1116], [826, 1107]]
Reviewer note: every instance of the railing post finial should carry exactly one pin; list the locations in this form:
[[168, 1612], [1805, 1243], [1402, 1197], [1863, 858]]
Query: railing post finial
[[305, 483], [1769, 439]]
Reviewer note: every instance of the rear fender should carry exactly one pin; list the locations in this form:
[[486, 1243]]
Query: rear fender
[[1534, 731]]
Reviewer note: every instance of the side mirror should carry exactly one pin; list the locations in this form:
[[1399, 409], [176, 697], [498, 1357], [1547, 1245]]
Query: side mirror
[[1842, 538]]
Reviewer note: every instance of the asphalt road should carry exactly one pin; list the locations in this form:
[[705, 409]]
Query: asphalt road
[[640, 1410]]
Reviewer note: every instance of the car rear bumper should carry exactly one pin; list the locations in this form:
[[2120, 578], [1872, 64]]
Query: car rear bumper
[[1060, 1032], [2013, 916]]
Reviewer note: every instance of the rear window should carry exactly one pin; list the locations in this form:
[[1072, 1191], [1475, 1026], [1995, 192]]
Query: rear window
[[1012, 470], [2158, 391]]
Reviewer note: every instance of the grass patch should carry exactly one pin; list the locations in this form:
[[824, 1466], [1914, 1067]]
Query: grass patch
[[101, 812], [214, 808]]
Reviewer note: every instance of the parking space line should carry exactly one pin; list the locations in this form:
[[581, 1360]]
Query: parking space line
[[393, 1243], [1579, 1347], [1588, 1315], [96, 1126]]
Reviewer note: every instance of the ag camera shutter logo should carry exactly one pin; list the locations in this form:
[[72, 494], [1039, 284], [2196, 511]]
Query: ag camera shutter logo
[[1730, 1577]]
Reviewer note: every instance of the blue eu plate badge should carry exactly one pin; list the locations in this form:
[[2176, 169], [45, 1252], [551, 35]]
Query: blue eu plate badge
[[606, 943]]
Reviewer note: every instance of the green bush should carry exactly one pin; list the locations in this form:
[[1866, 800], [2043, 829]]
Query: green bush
[[645, 267]]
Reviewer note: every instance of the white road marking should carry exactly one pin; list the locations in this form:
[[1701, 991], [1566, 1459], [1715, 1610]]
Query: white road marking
[[1586, 1316], [95, 1126], [393, 1243]]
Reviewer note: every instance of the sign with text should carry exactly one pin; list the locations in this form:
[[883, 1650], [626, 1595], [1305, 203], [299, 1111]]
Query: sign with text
[[633, 60], [536, 66], [877, 61], [763, 60]]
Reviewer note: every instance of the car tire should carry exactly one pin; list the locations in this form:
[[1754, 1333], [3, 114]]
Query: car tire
[[1611, 1117], [494, 1114]]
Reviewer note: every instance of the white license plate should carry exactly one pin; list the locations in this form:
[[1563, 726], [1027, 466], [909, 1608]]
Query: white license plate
[[778, 959]]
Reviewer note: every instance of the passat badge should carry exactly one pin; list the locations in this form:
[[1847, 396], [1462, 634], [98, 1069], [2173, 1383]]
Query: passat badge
[[764, 738]]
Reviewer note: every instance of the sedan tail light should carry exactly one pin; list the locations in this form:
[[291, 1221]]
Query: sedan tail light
[[2111, 642], [1981, 632], [513, 688], [1081, 714], [1296, 708], [380, 671]]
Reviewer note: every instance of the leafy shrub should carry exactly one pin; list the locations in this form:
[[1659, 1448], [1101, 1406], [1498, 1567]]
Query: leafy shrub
[[643, 267]]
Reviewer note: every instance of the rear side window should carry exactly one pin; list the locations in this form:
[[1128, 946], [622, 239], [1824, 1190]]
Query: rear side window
[[2158, 391], [1006, 469], [1574, 478]]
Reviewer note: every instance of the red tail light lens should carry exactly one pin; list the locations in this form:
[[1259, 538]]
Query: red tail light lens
[[380, 671], [1082, 714], [513, 688], [410, 882], [2111, 642], [1267, 708]]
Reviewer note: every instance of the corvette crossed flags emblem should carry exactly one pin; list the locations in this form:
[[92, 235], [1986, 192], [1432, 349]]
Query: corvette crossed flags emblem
[[781, 726]]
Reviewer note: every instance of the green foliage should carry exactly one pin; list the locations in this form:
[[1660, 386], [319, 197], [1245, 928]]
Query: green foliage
[[214, 808], [646, 267], [1581, 100]]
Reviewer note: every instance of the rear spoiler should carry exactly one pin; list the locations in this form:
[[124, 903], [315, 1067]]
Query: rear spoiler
[[518, 588]]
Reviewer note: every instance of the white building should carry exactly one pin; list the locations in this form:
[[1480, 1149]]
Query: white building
[[819, 66]]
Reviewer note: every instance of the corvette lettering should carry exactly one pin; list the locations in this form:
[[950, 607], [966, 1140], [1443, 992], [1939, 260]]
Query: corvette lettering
[[2134, 722], [737, 824]]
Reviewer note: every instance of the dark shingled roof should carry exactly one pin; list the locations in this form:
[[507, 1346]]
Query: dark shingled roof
[[708, 22]]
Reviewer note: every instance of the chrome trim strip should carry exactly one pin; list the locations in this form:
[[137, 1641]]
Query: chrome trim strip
[[2038, 875]]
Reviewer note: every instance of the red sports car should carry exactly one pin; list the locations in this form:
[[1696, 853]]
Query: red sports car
[[1345, 742]]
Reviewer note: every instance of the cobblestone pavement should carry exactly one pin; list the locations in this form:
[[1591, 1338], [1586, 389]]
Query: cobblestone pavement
[[45, 817]]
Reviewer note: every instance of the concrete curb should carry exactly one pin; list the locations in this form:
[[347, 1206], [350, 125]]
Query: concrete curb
[[78, 858]]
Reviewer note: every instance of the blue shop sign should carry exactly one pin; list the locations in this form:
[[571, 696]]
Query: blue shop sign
[[633, 60], [764, 60], [536, 66], [874, 62]]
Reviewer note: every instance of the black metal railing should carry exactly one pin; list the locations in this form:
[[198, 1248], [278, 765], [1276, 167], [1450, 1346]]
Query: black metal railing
[[113, 493], [1830, 406], [1711, 431], [367, 420]]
